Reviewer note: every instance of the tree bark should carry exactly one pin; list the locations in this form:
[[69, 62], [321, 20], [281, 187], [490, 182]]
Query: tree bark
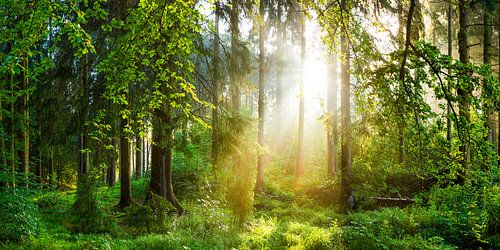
[[138, 157], [346, 191], [215, 87], [299, 168], [450, 53], [235, 34], [487, 38], [82, 135], [155, 185], [125, 187], [26, 124], [259, 185], [332, 137], [463, 92]]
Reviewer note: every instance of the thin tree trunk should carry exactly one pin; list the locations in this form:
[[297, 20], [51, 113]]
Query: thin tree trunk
[[299, 168], [138, 157], [155, 185], [235, 33], [125, 187], [463, 92], [215, 87], [450, 53], [26, 124], [346, 191], [279, 79], [12, 132], [167, 165], [487, 37], [259, 185], [332, 137]]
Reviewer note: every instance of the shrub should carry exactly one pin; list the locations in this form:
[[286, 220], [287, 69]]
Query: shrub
[[18, 217], [87, 214], [52, 201], [148, 218], [304, 236]]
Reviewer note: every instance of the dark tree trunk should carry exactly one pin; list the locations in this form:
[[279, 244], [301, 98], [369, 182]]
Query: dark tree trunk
[[487, 37], [450, 53], [82, 135], [167, 163], [235, 34], [215, 87], [125, 187], [26, 124], [155, 185], [463, 92], [111, 175], [138, 157]]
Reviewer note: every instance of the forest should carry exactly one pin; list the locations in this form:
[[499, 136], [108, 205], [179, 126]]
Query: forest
[[249, 124]]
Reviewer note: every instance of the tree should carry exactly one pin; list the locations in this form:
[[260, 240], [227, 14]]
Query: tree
[[345, 76], [262, 55], [299, 168], [332, 135], [216, 85], [463, 90]]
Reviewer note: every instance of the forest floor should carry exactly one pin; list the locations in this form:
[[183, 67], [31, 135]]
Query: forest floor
[[284, 217]]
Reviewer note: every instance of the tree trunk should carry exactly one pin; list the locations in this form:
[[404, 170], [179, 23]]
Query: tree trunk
[[215, 87], [138, 157], [450, 53], [167, 164], [12, 132], [82, 135], [26, 124], [279, 80], [235, 33], [332, 136], [487, 37], [259, 185], [125, 187], [463, 92], [155, 185], [299, 168], [111, 173], [346, 191]]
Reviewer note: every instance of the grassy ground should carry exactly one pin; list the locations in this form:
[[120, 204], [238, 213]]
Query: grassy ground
[[284, 217]]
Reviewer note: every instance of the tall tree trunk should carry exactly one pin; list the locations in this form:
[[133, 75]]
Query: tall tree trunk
[[215, 87], [167, 164], [12, 132], [82, 135], [138, 157], [346, 191], [299, 168], [125, 187], [259, 185], [463, 91], [279, 79], [332, 136], [487, 38], [155, 185], [26, 123], [450, 53], [235, 36], [50, 168], [111, 173]]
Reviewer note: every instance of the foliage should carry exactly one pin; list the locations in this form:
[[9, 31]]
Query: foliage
[[149, 217], [19, 219], [52, 201], [87, 213]]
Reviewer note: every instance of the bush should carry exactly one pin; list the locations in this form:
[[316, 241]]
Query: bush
[[18, 217], [304, 236], [87, 214], [52, 201], [148, 218]]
